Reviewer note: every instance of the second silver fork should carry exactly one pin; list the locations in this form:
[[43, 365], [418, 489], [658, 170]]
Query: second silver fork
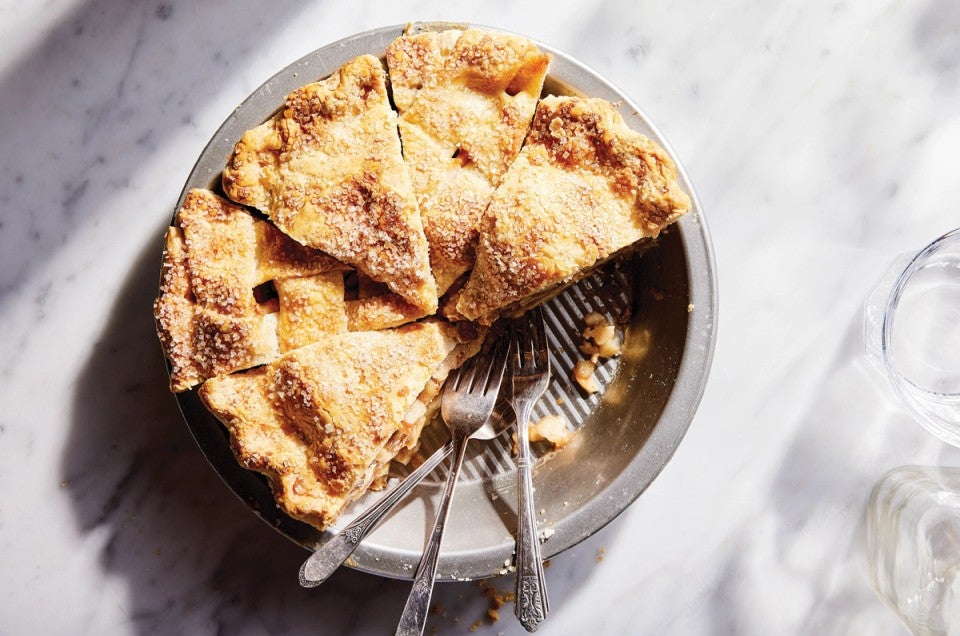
[[530, 359], [467, 402]]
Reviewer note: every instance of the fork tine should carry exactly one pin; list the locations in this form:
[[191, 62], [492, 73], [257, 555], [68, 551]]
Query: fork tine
[[531, 347], [530, 333], [464, 376], [482, 377], [519, 339], [498, 365], [516, 345], [477, 370], [541, 352], [493, 371]]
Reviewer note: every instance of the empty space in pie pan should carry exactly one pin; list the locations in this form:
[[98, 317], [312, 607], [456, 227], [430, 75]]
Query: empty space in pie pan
[[626, 433]]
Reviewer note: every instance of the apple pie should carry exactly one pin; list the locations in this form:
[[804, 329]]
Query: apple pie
[[322, 335]]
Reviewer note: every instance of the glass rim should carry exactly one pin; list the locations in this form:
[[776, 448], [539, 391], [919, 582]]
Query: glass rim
[[902, 385]]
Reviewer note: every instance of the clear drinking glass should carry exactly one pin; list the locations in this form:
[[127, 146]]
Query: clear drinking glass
[[912, 333], [913, 542]]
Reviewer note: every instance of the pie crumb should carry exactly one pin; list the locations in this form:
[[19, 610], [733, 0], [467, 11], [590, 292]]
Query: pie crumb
[[599, 338], [497, 599], [583, 374], [553, 429]]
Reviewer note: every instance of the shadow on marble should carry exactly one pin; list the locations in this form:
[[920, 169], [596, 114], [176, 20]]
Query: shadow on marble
[[818, 497], [90, 104], [193, 558], [935, 35]]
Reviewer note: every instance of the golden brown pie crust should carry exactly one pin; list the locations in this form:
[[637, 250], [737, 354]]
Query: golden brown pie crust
[[584, 187], [328, 171], [344, 389], [465, 100], [311, 307], [208, 318], [323, 422]]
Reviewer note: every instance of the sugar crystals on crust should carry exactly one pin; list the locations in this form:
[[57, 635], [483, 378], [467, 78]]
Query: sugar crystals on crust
[[324, 421], [465, 100], [584, 187], [464, 213], [328, 171], [208, 317]]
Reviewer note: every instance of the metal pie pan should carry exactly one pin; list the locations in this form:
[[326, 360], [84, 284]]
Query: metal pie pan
[[626, 434]]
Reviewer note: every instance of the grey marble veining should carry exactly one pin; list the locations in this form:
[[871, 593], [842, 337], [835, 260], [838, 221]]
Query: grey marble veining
[[821, 138]]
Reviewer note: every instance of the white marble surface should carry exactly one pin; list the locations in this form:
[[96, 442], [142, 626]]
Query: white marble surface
[[821, 137]]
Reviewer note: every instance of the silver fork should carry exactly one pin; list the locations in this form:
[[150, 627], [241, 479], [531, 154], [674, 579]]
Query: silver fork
[[531, 375], [466, 405]]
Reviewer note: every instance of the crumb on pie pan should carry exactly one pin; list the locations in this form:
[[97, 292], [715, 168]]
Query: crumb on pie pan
[[667, 300]]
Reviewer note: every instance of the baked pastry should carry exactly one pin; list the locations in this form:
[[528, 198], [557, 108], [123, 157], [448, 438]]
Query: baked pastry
[[377, 308], [380, 312], [310, 308], [324, 421], [464, 225], [208, 316], [583, 188], [465, 100], [328, 171]]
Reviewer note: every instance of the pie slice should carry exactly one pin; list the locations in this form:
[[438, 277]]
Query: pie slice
[[583, 188], [328, 171], [465, 99], [207, 314], [324, 421]]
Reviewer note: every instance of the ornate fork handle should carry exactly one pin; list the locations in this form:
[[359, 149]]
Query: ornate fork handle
[[331, 555], [532, 604], [414, 617]]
